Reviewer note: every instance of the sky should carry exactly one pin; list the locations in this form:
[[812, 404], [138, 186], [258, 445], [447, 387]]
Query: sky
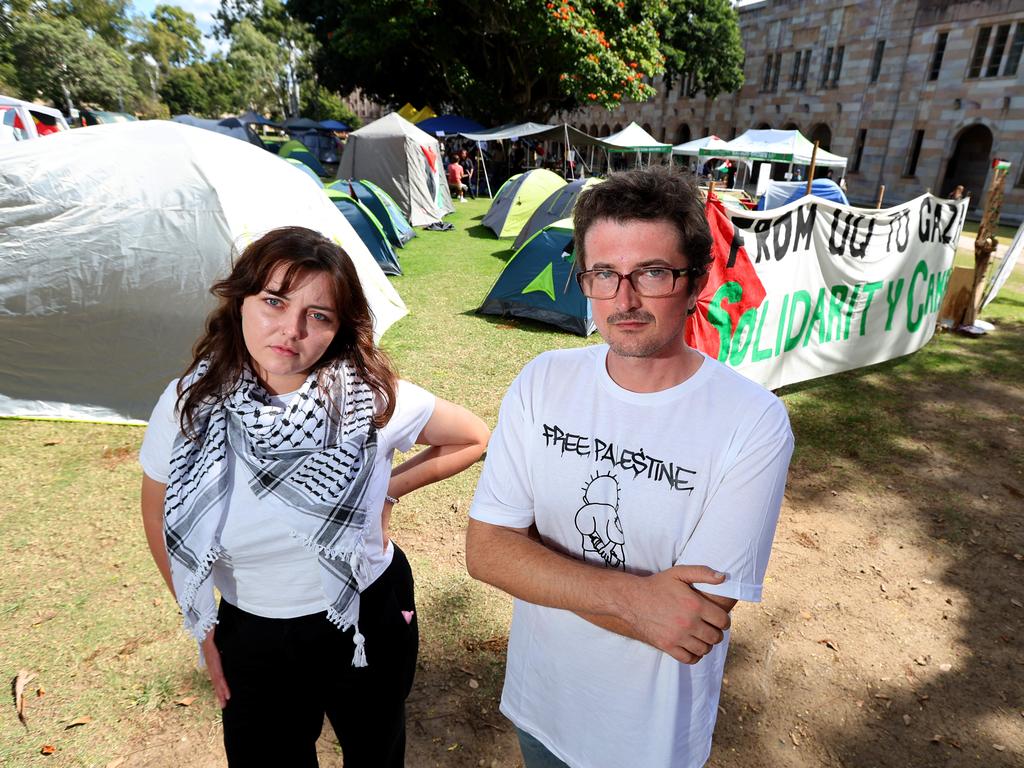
[[203, 10]]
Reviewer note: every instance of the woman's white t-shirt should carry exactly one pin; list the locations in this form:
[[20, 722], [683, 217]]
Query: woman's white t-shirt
[[263, 569]]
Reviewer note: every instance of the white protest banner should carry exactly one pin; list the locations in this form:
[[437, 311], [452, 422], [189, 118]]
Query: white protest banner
[[843, 287]]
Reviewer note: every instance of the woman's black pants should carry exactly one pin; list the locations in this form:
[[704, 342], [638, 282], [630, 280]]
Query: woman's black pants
[[286, 674]]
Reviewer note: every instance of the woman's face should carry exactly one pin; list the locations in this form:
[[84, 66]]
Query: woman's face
[[286, 334]]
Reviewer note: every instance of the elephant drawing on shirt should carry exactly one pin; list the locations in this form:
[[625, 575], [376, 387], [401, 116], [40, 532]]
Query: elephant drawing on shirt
[[598, 522]]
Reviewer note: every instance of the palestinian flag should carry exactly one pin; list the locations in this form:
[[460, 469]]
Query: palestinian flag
[[731, 272]]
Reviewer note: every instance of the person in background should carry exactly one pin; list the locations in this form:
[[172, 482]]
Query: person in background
[[456, 174], [268, 476]]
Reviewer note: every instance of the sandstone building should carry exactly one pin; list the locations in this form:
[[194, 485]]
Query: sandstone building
[[918, 95]]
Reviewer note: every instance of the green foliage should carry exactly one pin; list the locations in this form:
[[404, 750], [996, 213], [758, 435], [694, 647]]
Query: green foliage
[[59, 60], [171, 38], [107, 18], [497, 60], [702, 38], [258, 63], [320, 104], [207, 89]]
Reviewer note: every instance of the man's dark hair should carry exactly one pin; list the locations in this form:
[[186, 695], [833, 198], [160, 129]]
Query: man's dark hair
[[646, 194]]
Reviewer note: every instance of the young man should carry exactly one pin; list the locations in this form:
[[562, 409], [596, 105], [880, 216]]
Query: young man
[[455, 175], [628, 500]]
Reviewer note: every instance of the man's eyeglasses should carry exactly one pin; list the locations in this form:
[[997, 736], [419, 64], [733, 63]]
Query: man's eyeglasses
[[651, 282]]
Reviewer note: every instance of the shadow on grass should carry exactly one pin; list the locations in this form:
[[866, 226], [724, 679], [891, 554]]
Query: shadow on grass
[[942, 429], [480, 232], [512, 323]]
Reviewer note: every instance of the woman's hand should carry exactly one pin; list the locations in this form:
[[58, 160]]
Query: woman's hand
[[215, 670]]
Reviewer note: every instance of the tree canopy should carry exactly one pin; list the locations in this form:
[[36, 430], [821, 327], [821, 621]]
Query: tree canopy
[[503, 59], [702, 41]]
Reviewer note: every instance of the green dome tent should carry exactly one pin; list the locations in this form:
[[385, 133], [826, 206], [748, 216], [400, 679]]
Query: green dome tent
[[558, 205], [518, 198], [538, 283], [297, 150], [306, 170], [381, 205], [369, 230]]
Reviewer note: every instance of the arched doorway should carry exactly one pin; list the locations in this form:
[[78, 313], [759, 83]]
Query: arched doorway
[[605, 130], [968, 165], [791, 127], [763, 126], [683, 134], [822, 134]]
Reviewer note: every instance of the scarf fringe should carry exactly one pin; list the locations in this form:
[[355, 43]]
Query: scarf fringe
[[358, 640], [187, 598], [354, 556]]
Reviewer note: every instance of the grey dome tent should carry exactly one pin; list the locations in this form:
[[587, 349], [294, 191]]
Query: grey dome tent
[[403, 161]]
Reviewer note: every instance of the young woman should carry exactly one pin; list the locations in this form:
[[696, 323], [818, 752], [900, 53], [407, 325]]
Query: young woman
[[267, 474]]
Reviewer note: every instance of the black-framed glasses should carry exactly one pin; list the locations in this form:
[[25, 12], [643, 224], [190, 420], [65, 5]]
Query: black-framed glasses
[[651, 282]]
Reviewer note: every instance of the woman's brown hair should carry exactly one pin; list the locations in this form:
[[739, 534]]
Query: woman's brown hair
[[303, 252]]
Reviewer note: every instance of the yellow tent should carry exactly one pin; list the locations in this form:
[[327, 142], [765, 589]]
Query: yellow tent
[[408, 111], [423, 114]]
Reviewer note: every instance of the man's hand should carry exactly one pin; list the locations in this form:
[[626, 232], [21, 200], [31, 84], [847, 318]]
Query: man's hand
[[666, 612], [215, 670]]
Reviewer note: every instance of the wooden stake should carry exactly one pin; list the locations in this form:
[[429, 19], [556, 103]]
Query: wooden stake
[[881, 194], [810, 171], [986, 241]]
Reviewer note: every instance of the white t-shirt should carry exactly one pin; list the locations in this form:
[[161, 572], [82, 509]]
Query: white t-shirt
[[690, 475], [263, 570]]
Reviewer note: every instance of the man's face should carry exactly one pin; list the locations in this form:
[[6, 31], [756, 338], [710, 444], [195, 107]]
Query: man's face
[[635, 325]]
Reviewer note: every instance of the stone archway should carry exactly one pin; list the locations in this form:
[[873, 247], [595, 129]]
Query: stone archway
[[823, 135], [605, 130], [763, 126], [969, 163], [791, 127], [683, 134]]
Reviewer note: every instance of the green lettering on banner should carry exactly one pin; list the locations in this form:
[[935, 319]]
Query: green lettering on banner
[[757, 354], [940, 286], [912, 324], [929, 297], [817, 316], [799, 298], [835, 310], [730, 292], [869, 292], [739, 342], [849, 311], [892, 301], [782, 325]]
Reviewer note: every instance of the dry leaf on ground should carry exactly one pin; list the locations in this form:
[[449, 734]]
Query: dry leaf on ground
[[23, 678], [84, 720]]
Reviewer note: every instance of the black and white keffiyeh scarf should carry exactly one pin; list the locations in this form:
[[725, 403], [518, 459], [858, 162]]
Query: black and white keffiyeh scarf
[[309, 462]]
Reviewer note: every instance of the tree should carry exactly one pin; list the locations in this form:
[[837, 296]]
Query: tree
[[695, 30], [107, 18], [172, 38], [59, 60], [208, 88], [504, 59], [318, 103], [271, 19], [259, 64]]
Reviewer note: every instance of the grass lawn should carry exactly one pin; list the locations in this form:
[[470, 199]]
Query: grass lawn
[[83, 609]]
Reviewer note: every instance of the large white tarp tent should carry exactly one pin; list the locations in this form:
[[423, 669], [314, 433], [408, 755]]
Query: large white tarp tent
[[693, 148], [634, 138], [770, 145], [405, 162], [17, 123], [110, 238]]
